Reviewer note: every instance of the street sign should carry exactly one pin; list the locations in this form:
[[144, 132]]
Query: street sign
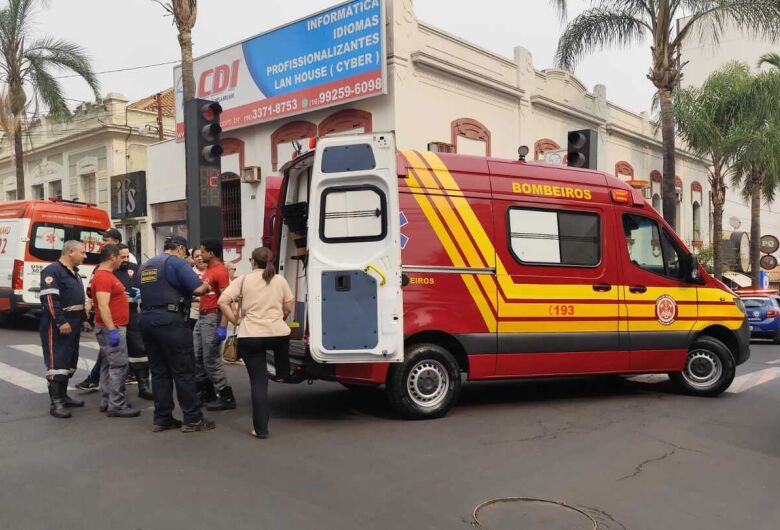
[[768, 262], [128, 195], [769, 244], [329, 58]]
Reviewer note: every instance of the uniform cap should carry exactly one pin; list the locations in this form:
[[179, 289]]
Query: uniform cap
[[178, 240], [113, 233]]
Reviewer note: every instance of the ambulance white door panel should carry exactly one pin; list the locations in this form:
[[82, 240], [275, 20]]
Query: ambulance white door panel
[[354, 255]]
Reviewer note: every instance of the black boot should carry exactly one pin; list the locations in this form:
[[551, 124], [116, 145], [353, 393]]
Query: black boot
[[206, 392], [142, 374], [226, 400], [56, 393], [69, 401]]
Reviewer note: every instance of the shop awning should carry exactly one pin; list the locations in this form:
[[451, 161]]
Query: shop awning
[[738, 279]]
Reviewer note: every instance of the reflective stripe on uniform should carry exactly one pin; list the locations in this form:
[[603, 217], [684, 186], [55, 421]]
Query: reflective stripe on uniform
[[79, 307], [138, 359], [44, 292], [62, 371]]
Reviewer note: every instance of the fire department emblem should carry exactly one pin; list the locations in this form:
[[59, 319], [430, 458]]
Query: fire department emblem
[[49, 280], [666, 309]]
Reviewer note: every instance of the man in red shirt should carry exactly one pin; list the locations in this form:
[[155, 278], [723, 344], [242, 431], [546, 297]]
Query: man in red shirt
[[210, 330], [112, 314]]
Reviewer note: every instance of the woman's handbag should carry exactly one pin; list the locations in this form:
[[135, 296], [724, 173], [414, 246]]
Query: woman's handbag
[[230, 346]]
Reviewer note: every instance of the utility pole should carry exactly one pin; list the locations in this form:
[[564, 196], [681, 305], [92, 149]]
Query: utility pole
[[160, 132]]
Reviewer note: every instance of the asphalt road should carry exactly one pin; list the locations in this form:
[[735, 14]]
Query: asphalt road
[[628, 453]]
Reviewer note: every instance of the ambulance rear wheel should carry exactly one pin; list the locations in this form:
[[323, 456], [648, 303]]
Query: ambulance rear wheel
[[426, 384], [709, 368]]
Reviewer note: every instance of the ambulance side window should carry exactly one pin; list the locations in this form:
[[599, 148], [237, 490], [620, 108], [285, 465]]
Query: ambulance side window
[[353, 214], [651, 248], [554, 237]]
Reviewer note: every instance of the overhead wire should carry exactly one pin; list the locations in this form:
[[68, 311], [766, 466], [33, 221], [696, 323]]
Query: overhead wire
[[128, 69]]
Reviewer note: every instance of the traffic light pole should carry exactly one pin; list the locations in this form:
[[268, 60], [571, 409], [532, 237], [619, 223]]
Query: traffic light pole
[[204, 169]]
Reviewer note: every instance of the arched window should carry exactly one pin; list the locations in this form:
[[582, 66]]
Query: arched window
[[624, 170], [346, 120], [656, 176], [231, 205], [544, 145], [657, 202], [471, 130], [697, 241], [291, 132]]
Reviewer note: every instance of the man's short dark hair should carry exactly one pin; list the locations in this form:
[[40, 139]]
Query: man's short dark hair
[[122, 246], [212, 245], [108, 251]]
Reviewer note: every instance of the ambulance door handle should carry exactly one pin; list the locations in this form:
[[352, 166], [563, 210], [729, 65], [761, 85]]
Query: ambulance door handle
[[602, 287], [638, 289]]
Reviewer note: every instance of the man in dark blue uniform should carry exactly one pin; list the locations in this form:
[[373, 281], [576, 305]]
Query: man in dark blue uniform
[[64, 309], [138, 360], [167, 284]]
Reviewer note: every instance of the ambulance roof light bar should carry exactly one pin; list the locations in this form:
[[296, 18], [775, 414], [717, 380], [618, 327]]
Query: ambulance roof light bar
[[748, 291]]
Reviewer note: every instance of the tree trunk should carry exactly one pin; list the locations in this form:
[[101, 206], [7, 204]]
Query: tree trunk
[[19, 159], [667, 133], [755, 231], [718, 200], [187, 74]]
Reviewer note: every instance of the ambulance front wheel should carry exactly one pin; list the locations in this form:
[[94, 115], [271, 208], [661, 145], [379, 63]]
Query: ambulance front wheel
[[426, 384], [709, 368]]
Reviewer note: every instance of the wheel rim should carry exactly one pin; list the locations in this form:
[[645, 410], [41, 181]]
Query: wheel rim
[[427, 383], [702, 369]]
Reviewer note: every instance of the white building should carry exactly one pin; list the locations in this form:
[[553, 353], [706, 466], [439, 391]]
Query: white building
[[99, 156], [443, 90]]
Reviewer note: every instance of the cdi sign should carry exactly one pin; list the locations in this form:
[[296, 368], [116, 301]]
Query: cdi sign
[[329, 58], [128, 195]]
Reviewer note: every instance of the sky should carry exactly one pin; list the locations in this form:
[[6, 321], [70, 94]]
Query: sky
[[122, 34]]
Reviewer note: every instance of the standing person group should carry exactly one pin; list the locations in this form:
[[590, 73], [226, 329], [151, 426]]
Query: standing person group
[[179, 357]]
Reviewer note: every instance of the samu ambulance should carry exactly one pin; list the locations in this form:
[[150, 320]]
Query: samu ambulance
[[32, 234], [411, 269]]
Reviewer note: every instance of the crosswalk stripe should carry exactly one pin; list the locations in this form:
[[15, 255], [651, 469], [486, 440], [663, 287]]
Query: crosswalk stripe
[[753, 379], [35, 349], [776, 361], [26, 380]]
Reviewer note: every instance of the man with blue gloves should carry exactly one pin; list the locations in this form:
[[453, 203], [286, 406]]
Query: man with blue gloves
[[138, 361], [112, 314]]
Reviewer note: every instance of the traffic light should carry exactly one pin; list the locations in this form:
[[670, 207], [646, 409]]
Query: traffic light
[[582, 149], [202, 135]]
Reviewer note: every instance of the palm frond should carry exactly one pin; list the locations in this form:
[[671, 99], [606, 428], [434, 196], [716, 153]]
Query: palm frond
[[771, 59], [758, 18], [595, 29], [58, 53], [47, 89]]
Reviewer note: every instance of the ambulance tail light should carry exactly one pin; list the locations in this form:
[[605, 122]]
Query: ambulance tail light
[[17, 277], [621, 196], [313, 143]]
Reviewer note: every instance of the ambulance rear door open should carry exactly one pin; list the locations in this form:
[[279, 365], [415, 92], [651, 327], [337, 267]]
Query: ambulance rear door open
[[355, 306]]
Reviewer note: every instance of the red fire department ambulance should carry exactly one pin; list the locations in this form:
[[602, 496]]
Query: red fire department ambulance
[[413, 268], [32, 234]]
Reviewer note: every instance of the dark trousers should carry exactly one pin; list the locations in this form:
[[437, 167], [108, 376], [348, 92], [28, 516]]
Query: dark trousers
[[253, 351], [172, 361], [60, 352]]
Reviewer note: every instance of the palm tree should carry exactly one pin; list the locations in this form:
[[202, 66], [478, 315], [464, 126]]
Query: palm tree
[[708, 122], [26, 65], [184, 13], [666, 23], [757, 158]]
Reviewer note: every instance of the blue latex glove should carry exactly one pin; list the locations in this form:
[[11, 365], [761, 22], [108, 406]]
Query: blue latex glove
[[113, 337], [221, 333]]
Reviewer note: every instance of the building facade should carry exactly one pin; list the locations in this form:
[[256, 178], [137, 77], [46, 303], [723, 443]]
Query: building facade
[[99, 156], [443, 93]]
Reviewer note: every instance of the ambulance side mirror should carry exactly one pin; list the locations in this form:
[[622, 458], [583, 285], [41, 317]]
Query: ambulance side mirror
[[694, 276]]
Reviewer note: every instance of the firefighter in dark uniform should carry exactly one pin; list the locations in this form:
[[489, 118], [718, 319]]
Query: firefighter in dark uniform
[[167, 284], [136, 353], [64, 309]]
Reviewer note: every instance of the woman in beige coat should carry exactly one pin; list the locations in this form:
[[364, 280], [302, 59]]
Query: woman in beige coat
[[266, 300]]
